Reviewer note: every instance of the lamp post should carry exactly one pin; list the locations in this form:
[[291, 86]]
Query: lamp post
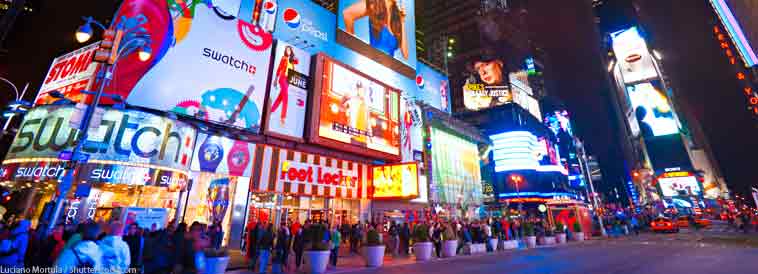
[[19, 98], [586, 170], [517, 179], [118, 42]]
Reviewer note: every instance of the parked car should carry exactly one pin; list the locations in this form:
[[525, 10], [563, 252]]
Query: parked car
[[663, 224]]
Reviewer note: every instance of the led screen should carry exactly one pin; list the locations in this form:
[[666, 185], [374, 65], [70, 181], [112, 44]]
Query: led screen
[[673, 186], [386, 25], [487, 85], [205, 63], [288, 93], [456, 176], [395, 181], [355, 112], [633, 56], [652, 109]]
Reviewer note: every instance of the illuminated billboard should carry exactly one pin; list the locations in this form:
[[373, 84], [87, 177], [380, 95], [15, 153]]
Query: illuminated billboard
[[288, 93], [304, 24], [128, 136], [205, 63], [740, 21], [456, 173], [69, 74], [516, 150], [433, 87], [633, 56], [218, 154], [352, 111], [675, 186], [395, 181], [487, 85], [652, 109], [386, 25]]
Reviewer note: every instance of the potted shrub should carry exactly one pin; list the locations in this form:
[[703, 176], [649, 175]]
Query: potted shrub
[[530, 239], [374, 250], [216, 260], [578, 234], [422, 245], [548, 238], [450, 242], [317, 253], [560, 233]]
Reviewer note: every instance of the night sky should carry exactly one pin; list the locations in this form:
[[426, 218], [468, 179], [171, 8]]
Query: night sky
[[566, 29]]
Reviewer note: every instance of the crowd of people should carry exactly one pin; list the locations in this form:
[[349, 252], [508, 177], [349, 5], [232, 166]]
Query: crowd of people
[[107, 247]]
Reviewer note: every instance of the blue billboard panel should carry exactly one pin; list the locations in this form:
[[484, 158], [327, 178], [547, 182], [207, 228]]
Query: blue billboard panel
[[305, 25], [388, 26], [652, 108], [433, 87]]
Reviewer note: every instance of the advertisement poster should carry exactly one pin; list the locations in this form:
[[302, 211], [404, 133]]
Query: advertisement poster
[[455, 169], [652, 109], [217, 154], [206, 63], [433, 87], [288, 94], [517, 150], [354, 110], [632, 55], [487, 85], [129, 136], [304, 24], [395, 181], [69, 74], [675, 186], [411, 137], [386, 25]]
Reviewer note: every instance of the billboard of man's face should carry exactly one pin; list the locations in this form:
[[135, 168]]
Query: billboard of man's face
[[491, 72]]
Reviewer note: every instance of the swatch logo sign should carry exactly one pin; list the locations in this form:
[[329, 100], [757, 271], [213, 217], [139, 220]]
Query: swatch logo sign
[[294, 21]]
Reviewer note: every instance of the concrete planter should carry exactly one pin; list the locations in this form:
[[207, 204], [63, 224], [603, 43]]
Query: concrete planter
[[578, 236], [374, 255], [449, 248], [423, 251], [493, 243], [560, 238], [531, 241], [547, 240], [317, 261], [510, 244], [216, 265]]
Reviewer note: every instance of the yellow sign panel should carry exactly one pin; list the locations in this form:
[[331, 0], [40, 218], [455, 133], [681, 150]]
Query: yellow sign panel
[[395, 181]]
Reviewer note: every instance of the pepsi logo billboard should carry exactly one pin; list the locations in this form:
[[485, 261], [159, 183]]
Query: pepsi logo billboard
[[305, 25]]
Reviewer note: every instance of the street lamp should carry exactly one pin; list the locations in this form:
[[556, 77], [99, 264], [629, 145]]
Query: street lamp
[[14, 106], [124, 42], [517, 179]]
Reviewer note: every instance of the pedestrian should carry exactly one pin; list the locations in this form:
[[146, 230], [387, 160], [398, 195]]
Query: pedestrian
[[157, 258], [394, 244], [191, 259], [19, 242], [437, 239], [54, 245], [336, 239], [298, 247], [265, 244], [136, 243], [84, 255], [635, 225], [252, 245], [115, 252], [405, 237], [281, 249]]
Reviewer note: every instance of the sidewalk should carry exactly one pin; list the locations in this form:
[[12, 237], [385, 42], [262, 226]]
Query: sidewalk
[[353, 262]]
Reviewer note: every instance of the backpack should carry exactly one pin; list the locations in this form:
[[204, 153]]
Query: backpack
[[82, 263]]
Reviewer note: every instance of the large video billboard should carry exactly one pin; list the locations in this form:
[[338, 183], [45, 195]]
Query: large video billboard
[[205, 63], [352, 111], [304, 24], [69, 74], [633, 56], [652, 109], [487, 85], [221, 155], [386, 25], [288, 94], [679, 185], [398, 181], [456, 174], [128, 136]]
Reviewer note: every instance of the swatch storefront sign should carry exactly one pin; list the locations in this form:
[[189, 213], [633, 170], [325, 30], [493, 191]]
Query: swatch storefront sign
[[124, 138]]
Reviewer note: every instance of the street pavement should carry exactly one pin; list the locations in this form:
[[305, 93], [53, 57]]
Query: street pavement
[[647, 253]]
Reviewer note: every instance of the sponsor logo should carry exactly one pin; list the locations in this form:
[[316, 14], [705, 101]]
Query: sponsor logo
[[229, 60], [420, 81], [302, 172], [36, 172], [67, 67], [291, 18], [269, 7]]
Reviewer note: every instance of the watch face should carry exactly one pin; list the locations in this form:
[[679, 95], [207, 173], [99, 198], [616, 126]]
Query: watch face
[[210, 156]]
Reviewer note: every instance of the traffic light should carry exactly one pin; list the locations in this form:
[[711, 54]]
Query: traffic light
[[108, 51]]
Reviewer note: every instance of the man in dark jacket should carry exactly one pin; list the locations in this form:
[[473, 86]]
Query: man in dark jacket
[[405, 237], [252, 245]]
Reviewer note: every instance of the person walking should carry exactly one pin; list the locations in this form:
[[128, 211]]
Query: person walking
[[298, 246], [136, 243], [405, 237], [85, 254], [265, 243], [394, 244], [115, 252], [54, 245], [19, 242], [191, 259], [252, 245], [281, 249], [336, 238], [437, 239]]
